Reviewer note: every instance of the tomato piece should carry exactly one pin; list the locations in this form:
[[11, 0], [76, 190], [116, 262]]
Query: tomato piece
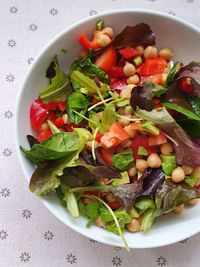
[[86, 43], [136, 126], [42, 136], [139, 140], [152, 66], [129, 52], [118, 85], [69, 127], [185, 84], [62, 105], [98, 137], [86, 200], [107, 155], [94, 193], [116, 72], [156, 79], [38, 114], [156, 101], [59, 122], [118, 131], [104, 180], [94, 101], [115, 205], [152, 149], [107, 59], [157, 139]]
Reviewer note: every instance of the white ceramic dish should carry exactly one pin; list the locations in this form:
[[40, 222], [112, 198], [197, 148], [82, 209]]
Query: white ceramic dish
[[184, 39]]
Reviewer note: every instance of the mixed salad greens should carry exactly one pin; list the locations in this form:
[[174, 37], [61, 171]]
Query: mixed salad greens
[[118, 137]]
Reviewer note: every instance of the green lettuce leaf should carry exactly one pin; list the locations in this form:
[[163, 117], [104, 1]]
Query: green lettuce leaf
[[124, 160], [58, 89], [109, 117]]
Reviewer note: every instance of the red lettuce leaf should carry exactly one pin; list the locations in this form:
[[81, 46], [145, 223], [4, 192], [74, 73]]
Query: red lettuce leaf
[[141, 34]]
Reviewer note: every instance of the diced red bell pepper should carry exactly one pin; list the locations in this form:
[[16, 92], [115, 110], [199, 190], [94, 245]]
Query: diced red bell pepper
[[139, 140], [107, 155], [129, 52], [152, 66], [107, 59], [98, 137], [157, 139], [86, 43], [118, 85], [59, 122], [38, 114], [116, 72], [42, 136], [156, 79]]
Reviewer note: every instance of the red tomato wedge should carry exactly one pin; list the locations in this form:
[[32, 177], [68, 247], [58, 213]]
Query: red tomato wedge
[[116, 72], [152, 66], [139, 140], [156, 79], [129, 52], [107, 59], [107, 155], [42, 136], [59, 122], [157, 139], [98, 137], [38, 114], [118, 84]]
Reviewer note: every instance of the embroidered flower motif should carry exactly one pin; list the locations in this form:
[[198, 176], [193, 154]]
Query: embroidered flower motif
[[172, 13], [3, 234], [26, 214], [11, 43], [10, 78], [93, 241], [48, 235], [53, 12], [116, 261], [161, 261], [30, 60], [152, 0], [33, 27], [8, 114], [7, 152], [5, 192], [190, 1], [93, 12], [13, 9], [184, 241], [25, 257], [71, 258]]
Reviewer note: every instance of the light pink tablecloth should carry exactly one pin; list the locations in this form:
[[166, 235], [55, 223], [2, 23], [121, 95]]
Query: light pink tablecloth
[[29, 234]]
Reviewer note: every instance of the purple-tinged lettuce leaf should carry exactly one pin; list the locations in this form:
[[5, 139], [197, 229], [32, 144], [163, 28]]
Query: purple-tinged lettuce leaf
[[141, 34], [187, 150]]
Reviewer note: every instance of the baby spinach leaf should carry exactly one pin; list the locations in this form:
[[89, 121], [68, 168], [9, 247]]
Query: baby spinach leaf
[[86, 66], [147, 220], [55, 147], [78, 102], [144, 203], [109, 117], [124, 160], [105, 214], [92, 210], [82, 208], [58, 89], [122, 213]]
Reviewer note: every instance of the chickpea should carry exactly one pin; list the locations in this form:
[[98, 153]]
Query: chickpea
[[121, 111], [44, 126], [65, 117], [141, 165], [100, 223], [129, 69], [166, 149], [154, 160], [103, 40], [150, 52], [179, 209], [123, 121], [133, 79], [110, 198], [196, 173], [89, 145], [108, 31], [130, 131], [193, 201], [187, 170], [126, 92], [140, 49], [132, 171], [178, 175], [166, 53], [128, 110], [133, 226]]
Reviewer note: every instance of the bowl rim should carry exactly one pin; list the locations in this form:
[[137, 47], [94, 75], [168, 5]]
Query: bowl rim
[[17, 110]]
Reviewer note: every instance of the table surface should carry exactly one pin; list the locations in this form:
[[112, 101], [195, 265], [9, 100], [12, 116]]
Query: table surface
[[29, 234]]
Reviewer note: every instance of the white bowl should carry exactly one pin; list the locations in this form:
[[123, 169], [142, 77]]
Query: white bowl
[[184, 39]]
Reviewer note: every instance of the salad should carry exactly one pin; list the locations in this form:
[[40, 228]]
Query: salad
[[117, 138]]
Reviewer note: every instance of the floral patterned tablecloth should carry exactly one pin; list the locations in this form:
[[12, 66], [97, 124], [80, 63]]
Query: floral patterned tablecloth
[[29, 234]]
